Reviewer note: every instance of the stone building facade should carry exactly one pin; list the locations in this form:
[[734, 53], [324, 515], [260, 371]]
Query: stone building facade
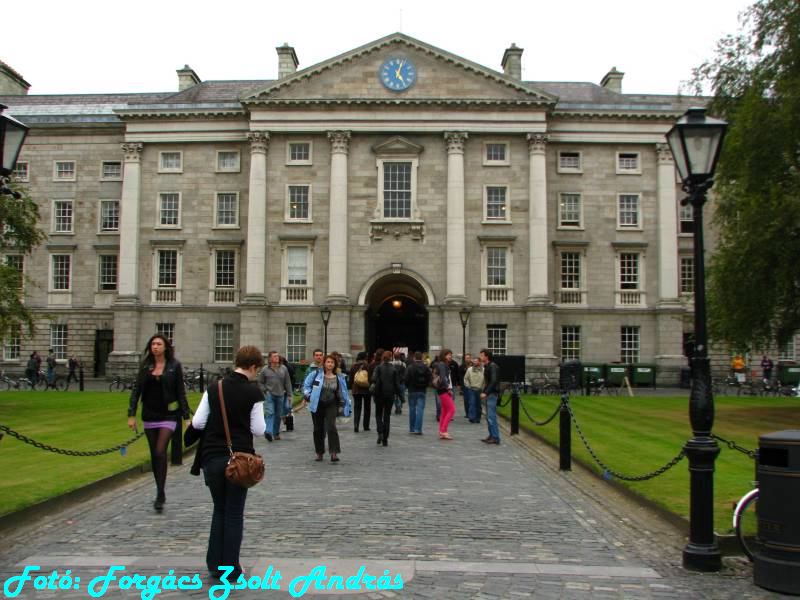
[[397, 184]]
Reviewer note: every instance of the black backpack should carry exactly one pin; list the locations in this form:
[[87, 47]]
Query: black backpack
[[422, 376]]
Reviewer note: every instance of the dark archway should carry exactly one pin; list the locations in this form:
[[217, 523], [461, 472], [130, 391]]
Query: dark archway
[[396, 315]]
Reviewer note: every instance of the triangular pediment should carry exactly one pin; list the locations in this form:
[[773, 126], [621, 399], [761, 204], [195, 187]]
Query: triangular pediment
[[440, 78], [397, 145]]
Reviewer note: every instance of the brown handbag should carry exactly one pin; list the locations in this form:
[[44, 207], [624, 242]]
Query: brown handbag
[[243, 469]]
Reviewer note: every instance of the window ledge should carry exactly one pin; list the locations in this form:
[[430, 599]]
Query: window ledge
[[496, 222]]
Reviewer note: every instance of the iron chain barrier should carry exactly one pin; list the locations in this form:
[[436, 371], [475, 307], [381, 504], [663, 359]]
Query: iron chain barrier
[[41, 446], [609, 471], [734, 446], [540, 423]]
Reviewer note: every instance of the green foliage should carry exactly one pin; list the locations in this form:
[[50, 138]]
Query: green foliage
[[19, 234], [754, 275]]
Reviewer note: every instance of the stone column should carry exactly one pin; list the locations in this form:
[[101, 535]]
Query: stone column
[[669, 310], [456, 240], [257, 219], [538, 289], [127, 305], [338, 222]]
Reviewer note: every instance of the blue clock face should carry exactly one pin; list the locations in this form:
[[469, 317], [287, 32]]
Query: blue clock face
[[398, 74]]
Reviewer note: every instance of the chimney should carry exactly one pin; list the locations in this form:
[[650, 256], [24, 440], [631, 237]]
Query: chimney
[[11, 82], [287, 60], [512, 62], [187, 78], [613, 80]]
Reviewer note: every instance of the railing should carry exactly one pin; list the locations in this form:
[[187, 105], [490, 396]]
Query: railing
[[630, 298], [223, 296], [571, 297], [494, 295], [297, 295], [165, 296]]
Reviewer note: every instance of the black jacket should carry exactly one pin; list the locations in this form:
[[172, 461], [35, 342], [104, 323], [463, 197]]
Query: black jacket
[[173, 392], [387, 383], [240, 397], [418, 376], [491, 378]]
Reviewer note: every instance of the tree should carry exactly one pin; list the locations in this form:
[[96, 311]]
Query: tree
[[19, 235], [754, 274]]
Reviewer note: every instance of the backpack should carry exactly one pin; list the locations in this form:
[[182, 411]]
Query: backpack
[[400, 367], [436, 381], [421, 377], [361, 378]]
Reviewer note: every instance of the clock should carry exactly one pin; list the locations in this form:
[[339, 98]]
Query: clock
[[397, 73]]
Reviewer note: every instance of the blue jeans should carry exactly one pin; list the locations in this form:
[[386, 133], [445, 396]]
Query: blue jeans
[[416, 408], [473, 399], [491, 416], [400, 398], [227, 519], [273, 406]]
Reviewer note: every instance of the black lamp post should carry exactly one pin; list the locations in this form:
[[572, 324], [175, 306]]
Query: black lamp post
[[695, 141], [464, 315], [326, 316], [12, 135]]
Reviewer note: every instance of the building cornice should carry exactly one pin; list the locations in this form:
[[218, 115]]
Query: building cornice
[[605, 114], [499, 102], [182, 111]]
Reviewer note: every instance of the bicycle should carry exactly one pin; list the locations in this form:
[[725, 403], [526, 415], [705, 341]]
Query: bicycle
[[8, 383], [120, 384], [745, 522], [59, 384]]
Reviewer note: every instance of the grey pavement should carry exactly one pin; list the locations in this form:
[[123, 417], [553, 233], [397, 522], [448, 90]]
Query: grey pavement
[[452, 519]]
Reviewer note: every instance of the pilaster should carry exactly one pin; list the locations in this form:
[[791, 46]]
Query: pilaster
[[456, 240], [667, 226], [338, 220], [257, 219], [538, 289], [539, 339]]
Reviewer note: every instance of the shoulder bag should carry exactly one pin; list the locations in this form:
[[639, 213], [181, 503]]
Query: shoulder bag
[[244, 469]]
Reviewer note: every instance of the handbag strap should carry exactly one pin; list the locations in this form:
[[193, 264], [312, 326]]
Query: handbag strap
[[224, 417]]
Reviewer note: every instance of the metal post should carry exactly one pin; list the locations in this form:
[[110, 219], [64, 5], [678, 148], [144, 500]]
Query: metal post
[[80, 378], [515, 410], [325, 340], [702, 552], [202, 385], [565, 436]]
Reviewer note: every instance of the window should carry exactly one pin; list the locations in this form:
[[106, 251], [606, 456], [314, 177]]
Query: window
[[496, 203], [687, 275], [228, 161], [62, 216], [297, 265], [496, 266], [107, 272], [685, 218], [298, 153], [570, 342], [628, 163], [167, 330], [496, 339], [227, 211], [299, 202], [11, 345], [496, 270], [225, 270], [64, 170], [788, 351], [397, 190], [169, 209], [296, 287], [496, 154], [111, 169], [61, 267], [58, 341], [16, 262], [628, 212], [109, 215], [569, 210], [21, 172], [630, 279], [570, 162], [571, 290], [629, 345], [167, 268], [170, 162], [295, 342], [223, 342]]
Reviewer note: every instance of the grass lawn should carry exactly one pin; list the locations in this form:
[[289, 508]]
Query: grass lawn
[[69, 420], [637, 435]]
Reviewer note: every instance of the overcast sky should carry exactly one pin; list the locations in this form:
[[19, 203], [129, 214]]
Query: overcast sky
[[93, 46]]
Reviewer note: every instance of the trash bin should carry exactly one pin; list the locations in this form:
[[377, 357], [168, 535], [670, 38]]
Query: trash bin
[[788, 373], [686, 378], [642, 374], [776, 565], [616, 373], [569, 375], [592, 371]]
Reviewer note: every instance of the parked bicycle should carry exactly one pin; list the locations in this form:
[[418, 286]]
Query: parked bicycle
[[603, 386], [59, 383], [745, 522], [22, 383], [120, 383]]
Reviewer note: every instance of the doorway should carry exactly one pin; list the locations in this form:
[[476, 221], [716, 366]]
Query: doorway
[[396, 315], [103, 345]]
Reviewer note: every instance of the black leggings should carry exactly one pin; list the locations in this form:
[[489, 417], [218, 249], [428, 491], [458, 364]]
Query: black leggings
[[158, 440]]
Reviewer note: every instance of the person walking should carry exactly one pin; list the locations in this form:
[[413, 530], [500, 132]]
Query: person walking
[[418, 378], [159, 385], [399, 363], [245, 413], [491, 390], [328, 395], [359, 384], [51, 368], [443, 383], [473, 386], [275, 384], [72, 364], [311, 373], [766, 368], [387, 386]]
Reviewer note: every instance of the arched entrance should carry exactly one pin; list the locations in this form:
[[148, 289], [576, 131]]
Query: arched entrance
[[396, 313]]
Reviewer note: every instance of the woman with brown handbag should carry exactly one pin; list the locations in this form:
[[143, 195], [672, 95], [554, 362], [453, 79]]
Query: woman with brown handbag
[[244, 407]]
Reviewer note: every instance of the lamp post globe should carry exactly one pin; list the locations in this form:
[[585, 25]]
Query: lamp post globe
[[12, 136], [696, 142]]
